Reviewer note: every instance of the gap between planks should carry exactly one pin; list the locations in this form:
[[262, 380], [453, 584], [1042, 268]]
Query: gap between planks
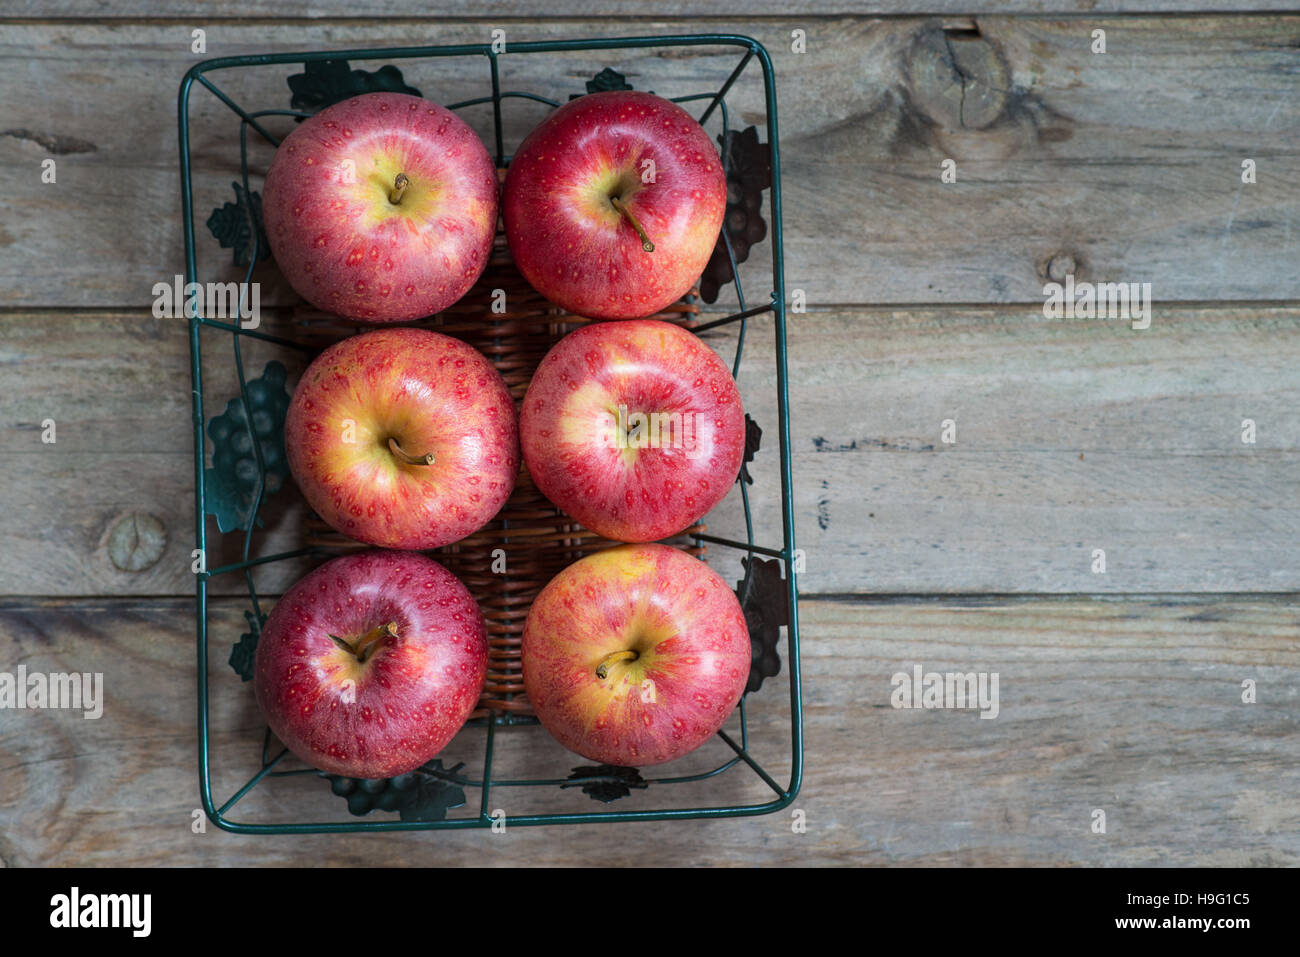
[[955, 599]]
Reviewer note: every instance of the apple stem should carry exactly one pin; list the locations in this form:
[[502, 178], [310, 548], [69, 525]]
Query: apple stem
[[602, 670], [367, 645], [371, 640], [409, 459], [627, 214], [399, 187]]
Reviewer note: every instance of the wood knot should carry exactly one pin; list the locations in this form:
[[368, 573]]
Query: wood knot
[[136, 541], [957, 77], [1060, 266]]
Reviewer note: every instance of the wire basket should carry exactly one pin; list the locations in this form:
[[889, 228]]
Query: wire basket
[[537, 539]]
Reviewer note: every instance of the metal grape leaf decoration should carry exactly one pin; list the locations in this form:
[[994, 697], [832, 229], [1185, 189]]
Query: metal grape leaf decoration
[[603, 82], [233, 224], [766, 604], [326, 82], [230, 486], [753, 436], [434, 795], [425, 794], [606, 782], [749, 172], [244, 654]]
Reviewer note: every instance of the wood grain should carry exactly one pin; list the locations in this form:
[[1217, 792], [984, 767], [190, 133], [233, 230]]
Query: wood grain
[[1070, 436], [117, 387], [1129, 706], [1128, 163], [512, 10]]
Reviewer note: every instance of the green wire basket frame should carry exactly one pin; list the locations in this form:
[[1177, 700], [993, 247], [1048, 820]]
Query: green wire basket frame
[[784, 795]]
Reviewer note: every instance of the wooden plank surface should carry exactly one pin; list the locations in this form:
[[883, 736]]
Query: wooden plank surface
[[1120, 691], [1132, 707], [1125, 164], [512, 10], [1070, 436]]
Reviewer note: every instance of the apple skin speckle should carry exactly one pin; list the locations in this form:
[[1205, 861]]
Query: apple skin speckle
[[453, 183], [567, 238], [649, 367], [405, 703], [691, 663], [396, 384]]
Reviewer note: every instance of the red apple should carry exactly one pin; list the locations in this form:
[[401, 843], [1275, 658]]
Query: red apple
[[635, 655], [635, 429], [403, 438], [614, 203], [371, 664], [351, 238]]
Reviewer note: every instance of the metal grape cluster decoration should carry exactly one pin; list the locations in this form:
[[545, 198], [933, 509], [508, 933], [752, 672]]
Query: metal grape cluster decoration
[[749, 172], [234, 477]]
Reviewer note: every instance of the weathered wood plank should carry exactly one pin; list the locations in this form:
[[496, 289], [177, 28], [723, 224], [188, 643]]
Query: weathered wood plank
[[1070, 436], [117, 388], [1127, 164], [1132, 707], [509, 10]]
